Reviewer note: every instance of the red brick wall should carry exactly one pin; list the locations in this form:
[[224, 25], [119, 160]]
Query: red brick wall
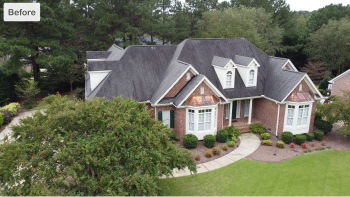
[[179, 119], [281, 120], [241, 111], [220, 117], [341, 84], [207, 90], [266, 112], [179, 85]]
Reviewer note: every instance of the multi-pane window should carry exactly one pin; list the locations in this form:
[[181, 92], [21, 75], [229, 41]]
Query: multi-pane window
[[201, 120], [246, 107], [207, 119], [191, 120], [229, 79], [303, 115], [251, 77], [204, 120], [290, 115]]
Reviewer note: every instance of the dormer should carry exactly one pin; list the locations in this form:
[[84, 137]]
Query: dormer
[[225, 69], [248, 69]]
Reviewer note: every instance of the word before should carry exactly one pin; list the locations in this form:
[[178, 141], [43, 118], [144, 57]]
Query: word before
[[21, 12]]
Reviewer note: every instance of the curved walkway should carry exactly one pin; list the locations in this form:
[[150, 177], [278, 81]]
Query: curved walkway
[[249, 143]]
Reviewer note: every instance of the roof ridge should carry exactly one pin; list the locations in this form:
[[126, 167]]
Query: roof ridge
[[182, 62], [294, 71], [279, 57]]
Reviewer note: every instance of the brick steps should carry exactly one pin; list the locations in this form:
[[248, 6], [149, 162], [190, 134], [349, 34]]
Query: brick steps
[[244, 128]]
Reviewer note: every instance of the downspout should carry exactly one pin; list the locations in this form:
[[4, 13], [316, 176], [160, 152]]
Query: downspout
[[278, 116], [155, 113]]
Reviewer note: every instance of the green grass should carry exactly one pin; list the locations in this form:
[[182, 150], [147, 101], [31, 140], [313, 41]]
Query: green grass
[[316, 174]]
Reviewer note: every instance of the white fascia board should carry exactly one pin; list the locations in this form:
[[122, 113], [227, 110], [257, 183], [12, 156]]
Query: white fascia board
[[290, 62], [161, 105], [205, 79], [339, 76], [190, 68], [256, 62], [310, 83], [96, 60]]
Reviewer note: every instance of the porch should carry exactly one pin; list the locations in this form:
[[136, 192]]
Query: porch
[[242, 124]]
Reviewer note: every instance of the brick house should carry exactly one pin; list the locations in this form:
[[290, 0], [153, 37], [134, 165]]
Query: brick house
[[340, 83], [204, 85]]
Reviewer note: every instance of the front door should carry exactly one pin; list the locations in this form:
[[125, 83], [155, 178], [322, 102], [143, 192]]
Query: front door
[[234, 109]]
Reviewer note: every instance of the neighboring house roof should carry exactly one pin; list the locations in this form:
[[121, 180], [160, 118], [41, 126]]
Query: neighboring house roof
[[339, 76], [146, 73], [300, 97], [242, 60], [116, 53], [97, 54], [220, 61]]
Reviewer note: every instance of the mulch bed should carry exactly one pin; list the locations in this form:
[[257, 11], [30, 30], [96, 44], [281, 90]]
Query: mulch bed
[[274, 154], [201, 149]]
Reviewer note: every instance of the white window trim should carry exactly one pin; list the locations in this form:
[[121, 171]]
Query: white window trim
[[295, 129], [202, 90]]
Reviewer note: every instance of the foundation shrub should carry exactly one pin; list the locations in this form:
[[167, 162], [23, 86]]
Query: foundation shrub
[[173, 137], [292, 145], [310, 136], [265, 136], [231, 144], [234, 139], [221, 135], [304, 145], [318, 135], [7, 116], [266, 142], [197, 157], [300, 138], [287, 137], [232, 131], [216, 151], [323, 143], [208, 154], [257, 128], [313, 144], [224, 147], [280, 144], [209, 141], [324, 126], [190, 141]]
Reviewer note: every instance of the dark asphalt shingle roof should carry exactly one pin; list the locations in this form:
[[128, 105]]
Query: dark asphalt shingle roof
[[97, 54], [220, 61], [146, 72]]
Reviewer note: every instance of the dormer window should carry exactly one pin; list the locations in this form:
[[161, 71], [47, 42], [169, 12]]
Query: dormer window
[[229, 79], [251, 77]]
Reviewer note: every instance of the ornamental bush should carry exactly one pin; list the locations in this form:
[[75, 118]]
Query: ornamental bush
[[221, 135], [233, 131], [12, 107], [287, 137], [208, 154], [197, 157], [257, 128], [1, 118], [292, 145], [216, 151], [265, 136], [304, 145], [107, 147], [310, 136], [7, 116], [324, 126], [224, 147], [280, 144], [173, 136], [318, 135], [234, 139], [231, 144], [266, 142], [300, 138], [190, 141], [209, 141]]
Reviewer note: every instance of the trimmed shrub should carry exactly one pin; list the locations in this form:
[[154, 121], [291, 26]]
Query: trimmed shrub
[[313, 144], [257, 128], [221, 135], [209, 141], [216, 151], [208, 154], [7, 116], [197, 157], [232, 131], [266, 142], [12, 107], [265, 136], [300, 138], [190, 141], [280, 144], [1, 118], [224, 147], [324, 126], [234, 139], [287, 137], [318, 115], [318, 135], [292, 145], [304, 145], [231, 144], [310, 136], [323, 143]]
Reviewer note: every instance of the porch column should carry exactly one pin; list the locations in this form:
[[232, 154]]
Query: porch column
[[230, 114], [250, 111]]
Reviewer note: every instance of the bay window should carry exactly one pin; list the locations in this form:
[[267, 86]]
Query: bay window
[[201, 121], [297, 118]]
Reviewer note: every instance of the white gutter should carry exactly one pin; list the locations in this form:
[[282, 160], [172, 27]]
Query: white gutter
[[155, 113], [278, 115]]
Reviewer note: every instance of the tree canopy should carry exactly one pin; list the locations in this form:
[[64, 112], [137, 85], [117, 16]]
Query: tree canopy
[[97, 147], [253, 24]]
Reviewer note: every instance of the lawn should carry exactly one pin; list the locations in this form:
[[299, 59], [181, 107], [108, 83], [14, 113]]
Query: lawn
[[317, 174]]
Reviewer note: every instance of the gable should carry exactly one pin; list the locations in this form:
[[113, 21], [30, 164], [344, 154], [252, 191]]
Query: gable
[[180, 84], [346, 73], [305, 85]]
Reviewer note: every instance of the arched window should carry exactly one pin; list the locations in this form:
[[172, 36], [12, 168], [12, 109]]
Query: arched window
[[229, 79], [251, 77]]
